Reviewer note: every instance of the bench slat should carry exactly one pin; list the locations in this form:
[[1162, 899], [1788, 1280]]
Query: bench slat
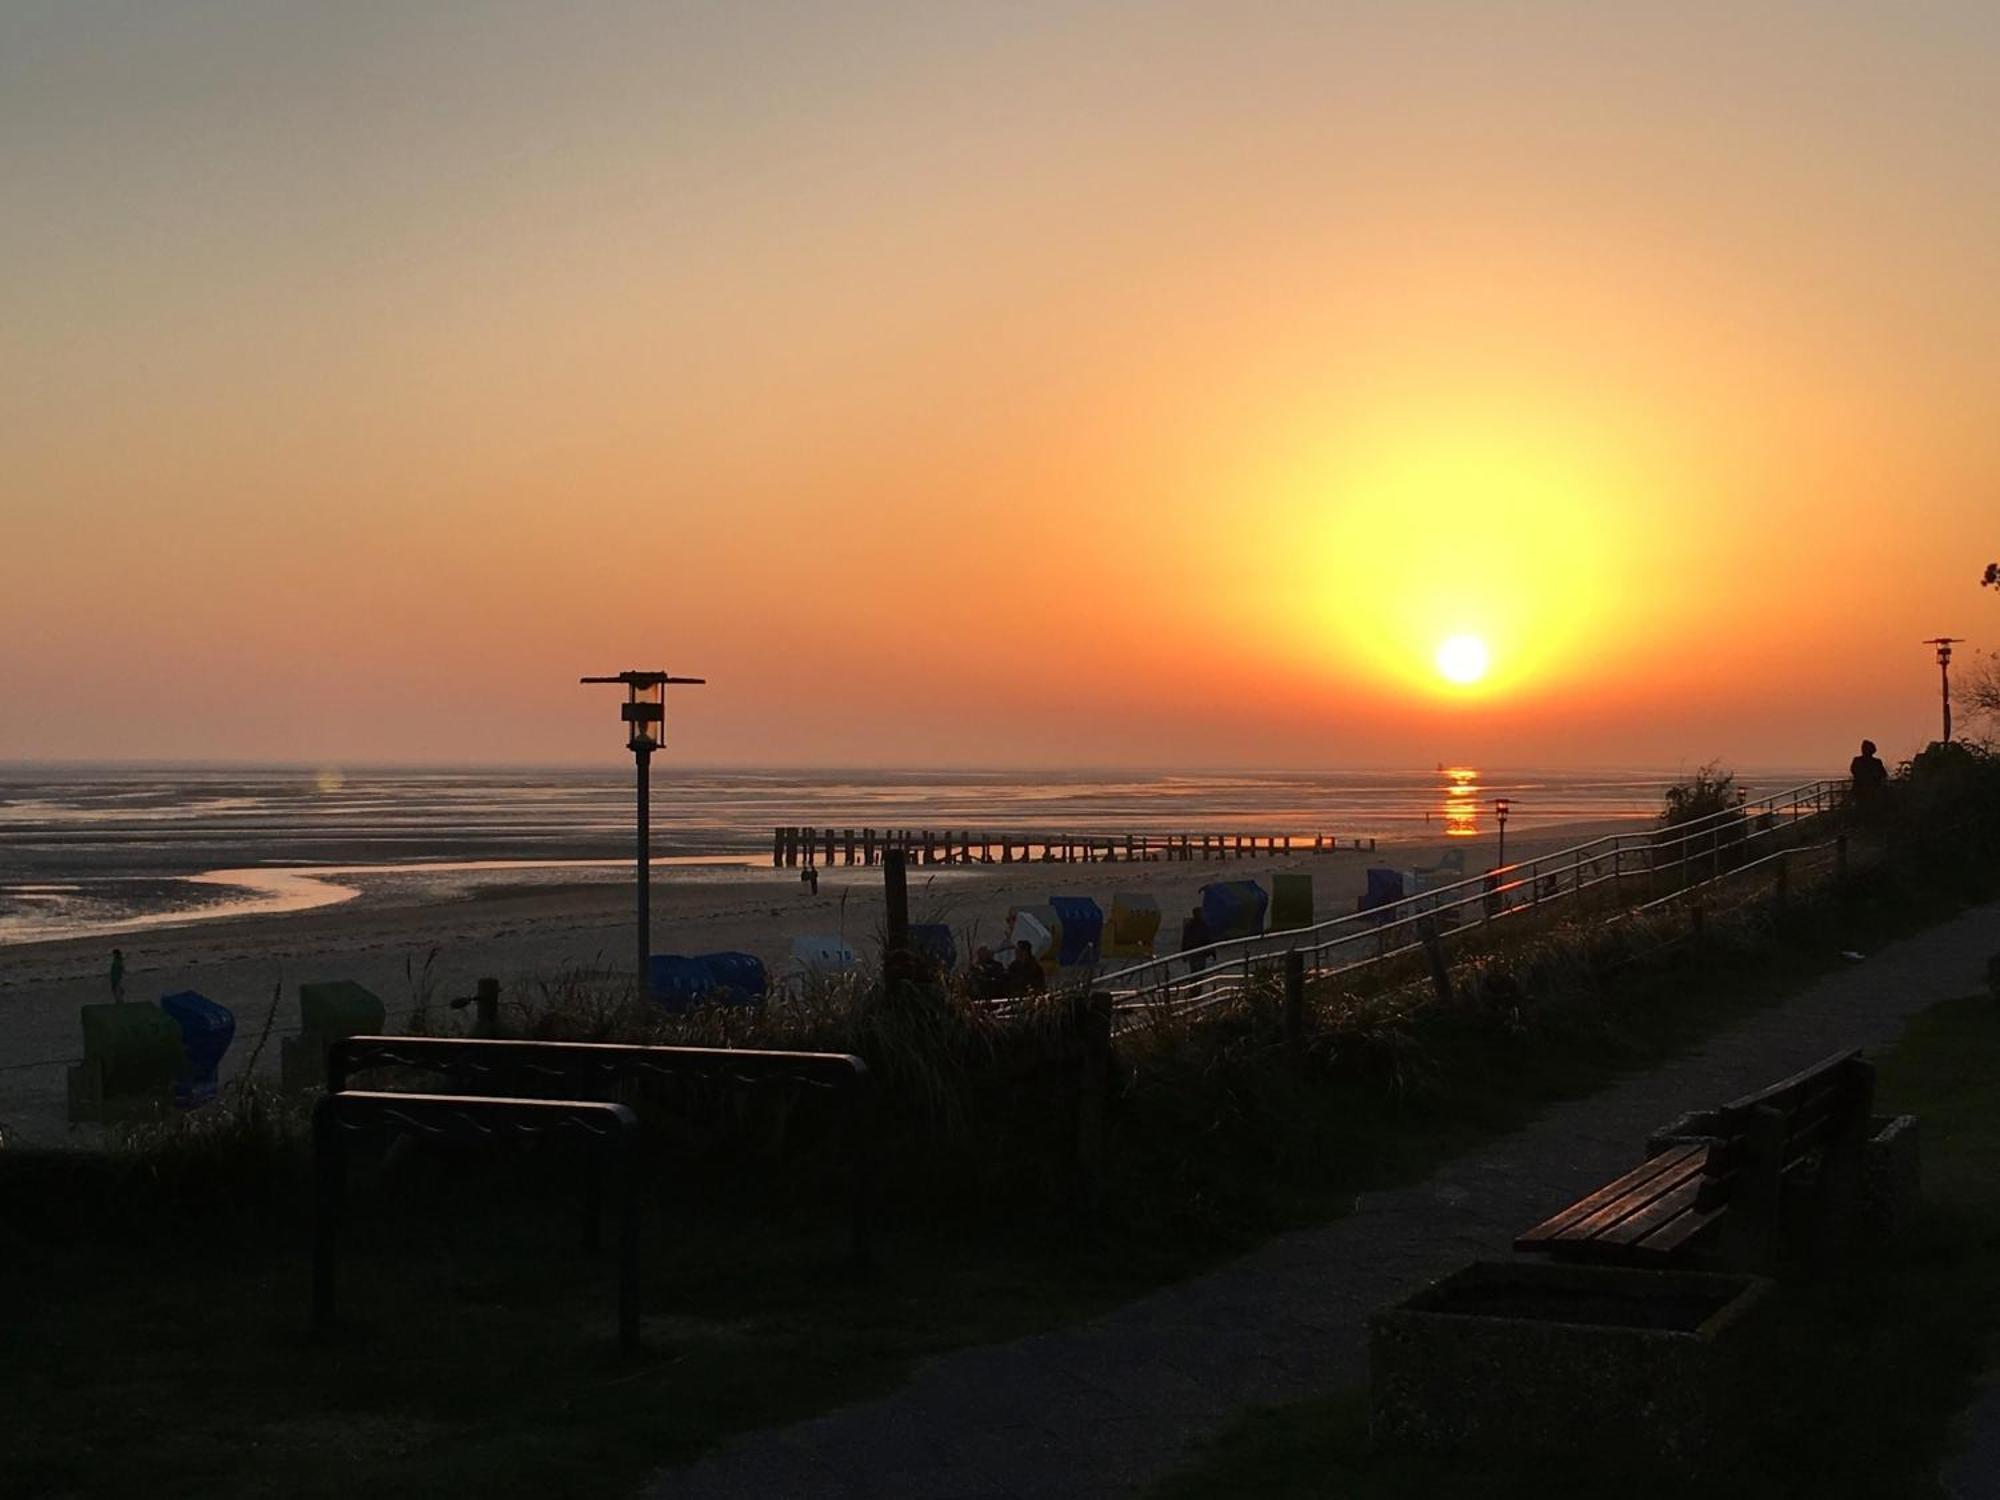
[[1637, 1226], [1643, 1182], [1667, 1241], [1610, 1216]]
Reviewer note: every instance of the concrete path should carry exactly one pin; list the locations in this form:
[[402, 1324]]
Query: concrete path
[[1107, 1406]]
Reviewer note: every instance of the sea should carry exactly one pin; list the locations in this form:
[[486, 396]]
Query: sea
[[94, 850]]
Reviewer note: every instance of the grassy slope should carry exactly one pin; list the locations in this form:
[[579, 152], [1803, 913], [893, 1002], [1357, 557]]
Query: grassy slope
[[1865, 1367], [158, 1349]]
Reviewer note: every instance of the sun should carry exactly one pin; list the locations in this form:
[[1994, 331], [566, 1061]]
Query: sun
[[1462, 658]]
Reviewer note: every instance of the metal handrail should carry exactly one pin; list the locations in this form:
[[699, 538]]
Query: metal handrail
[[1225, 967]]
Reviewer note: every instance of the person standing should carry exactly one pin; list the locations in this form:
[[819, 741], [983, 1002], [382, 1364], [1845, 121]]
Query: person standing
[[1871, 777], [1194, 934], [118, 976]]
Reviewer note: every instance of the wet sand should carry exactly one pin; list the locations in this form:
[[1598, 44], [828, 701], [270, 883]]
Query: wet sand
[[471, 926]]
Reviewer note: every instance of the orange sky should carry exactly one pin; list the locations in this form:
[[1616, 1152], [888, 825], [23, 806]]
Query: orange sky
[[1079, 385]]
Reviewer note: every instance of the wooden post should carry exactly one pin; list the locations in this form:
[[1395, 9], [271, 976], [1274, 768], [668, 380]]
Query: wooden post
[[626, 1171], [829, 848], [896, 922], [329, 1195], [777, 848], [486, 1009], [809, 846], [1295, 997], [1091, 1023], [1427, 934], [850, 847]]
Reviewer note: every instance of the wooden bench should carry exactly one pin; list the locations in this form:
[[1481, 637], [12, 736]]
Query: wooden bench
[[1729, 1184], [600, 1070], [609, 1131]]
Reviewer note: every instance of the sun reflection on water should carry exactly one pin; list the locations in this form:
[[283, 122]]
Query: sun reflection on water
[[1460, 812]]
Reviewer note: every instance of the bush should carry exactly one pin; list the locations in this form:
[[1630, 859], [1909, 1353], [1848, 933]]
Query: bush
[[1710, 791]]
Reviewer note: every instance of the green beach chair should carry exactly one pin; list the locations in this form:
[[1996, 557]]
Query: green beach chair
[[1291, 901], [131, 1056], [328, 1010]]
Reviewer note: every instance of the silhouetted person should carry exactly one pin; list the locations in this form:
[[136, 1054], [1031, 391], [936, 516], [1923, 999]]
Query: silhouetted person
[[1871, 777], [987, 980], [1194, 934], [809, 878], [118, 975], [1024, 974]]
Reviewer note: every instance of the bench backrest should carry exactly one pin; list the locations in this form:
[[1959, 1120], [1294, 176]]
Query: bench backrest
[[588, 1068], [1814, 1107]]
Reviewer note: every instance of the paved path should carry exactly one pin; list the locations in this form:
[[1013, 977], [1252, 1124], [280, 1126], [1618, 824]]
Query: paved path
[[1112, 1404]]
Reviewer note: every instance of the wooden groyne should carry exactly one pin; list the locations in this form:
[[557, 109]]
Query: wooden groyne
[[810, 847]]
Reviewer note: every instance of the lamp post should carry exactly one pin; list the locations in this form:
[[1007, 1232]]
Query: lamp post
[[644, 713], [1501, 807], [1944, 643]]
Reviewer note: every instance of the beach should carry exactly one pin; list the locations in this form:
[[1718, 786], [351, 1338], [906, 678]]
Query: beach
[[400, 931]]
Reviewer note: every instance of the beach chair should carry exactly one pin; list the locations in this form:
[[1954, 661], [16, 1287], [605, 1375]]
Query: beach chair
[[1037, 926], [934, 941], [1233, 909], [1082, 929], [1383, 894], [132, 1055], [822, 955], [1135, 926], [679, 982], [206, 1030], [328, 1010], [1291, 901]]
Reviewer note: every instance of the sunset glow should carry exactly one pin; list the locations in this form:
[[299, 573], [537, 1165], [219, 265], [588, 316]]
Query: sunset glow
[[910, 373]]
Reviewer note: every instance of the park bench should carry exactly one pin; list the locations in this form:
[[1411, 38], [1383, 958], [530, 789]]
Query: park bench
[[607, 1131], [604, 1070], [1730, 1184]]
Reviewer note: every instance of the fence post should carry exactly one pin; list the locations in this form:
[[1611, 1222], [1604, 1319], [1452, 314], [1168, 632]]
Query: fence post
[[1090, 1018], [330, 1188], [896, 923], [486, 1009], [1295, 997], [1427, 934], [625, 1169]]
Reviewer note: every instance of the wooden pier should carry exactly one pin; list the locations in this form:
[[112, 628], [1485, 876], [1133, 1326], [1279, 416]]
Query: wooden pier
[[814, 847]]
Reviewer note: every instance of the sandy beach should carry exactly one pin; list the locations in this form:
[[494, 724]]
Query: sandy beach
[[474, 926]]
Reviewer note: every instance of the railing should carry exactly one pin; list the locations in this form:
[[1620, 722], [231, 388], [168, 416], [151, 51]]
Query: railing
[[1691, 854], [600, 1070]]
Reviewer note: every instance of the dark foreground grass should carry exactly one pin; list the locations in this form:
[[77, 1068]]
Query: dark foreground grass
[[156, 1301], [1859, 1373]]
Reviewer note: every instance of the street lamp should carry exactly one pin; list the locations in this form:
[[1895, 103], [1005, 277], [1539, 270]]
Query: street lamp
[[1944, 643], [644, 713], [1501, 807]]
